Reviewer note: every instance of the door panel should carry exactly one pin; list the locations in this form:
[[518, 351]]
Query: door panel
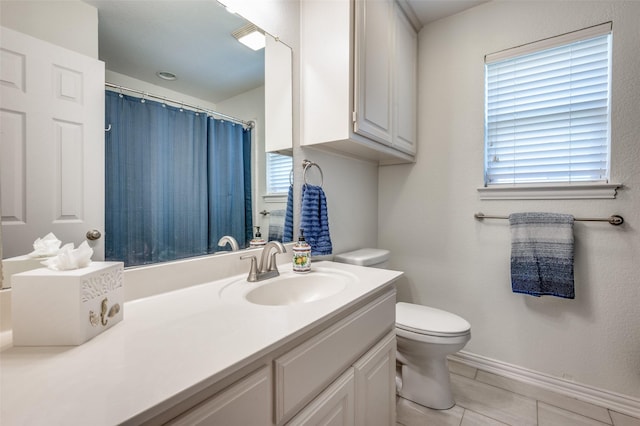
[[52, 148]]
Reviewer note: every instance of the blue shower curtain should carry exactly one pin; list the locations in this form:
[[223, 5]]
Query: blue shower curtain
[[229, 161], [161, 195]]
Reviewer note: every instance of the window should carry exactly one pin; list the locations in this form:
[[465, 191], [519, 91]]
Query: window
[[547, 110], [278, 173]]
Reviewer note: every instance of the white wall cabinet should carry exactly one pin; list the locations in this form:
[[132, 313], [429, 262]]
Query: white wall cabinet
[[405, 89], [359, 79], [373, 68]]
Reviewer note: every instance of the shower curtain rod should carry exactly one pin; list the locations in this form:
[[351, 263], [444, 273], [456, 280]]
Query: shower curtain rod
[[248, 124]]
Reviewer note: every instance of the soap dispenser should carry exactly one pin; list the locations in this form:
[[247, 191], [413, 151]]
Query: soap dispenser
[[257, 241], [301, 255]]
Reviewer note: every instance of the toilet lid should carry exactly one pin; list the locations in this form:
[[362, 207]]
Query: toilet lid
[[426, 320], [363, 257]]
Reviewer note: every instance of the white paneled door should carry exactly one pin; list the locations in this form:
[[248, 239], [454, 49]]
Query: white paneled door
[[52, 144]]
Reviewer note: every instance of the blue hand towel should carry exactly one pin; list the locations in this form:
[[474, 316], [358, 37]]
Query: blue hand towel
[[288, 218], [314, 220], [542, 254]]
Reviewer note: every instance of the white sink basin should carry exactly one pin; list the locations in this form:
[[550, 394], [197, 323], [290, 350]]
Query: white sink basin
[[290, 288]]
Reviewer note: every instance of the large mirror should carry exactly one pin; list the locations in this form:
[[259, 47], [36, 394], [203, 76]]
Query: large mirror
[[145, 43]]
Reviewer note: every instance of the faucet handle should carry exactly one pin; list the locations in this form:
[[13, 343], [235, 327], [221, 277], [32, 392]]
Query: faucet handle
[[278, 247], [272, 265], [253, 270]]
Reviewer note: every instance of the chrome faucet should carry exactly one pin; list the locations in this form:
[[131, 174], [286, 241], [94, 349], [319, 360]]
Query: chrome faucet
[[268, 267], [232, 242]]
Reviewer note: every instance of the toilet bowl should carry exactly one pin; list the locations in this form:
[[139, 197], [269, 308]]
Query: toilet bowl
[[425, 337]]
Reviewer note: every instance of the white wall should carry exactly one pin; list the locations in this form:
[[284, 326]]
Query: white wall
[[71, 23], [351, 188], [457, 263], [134, 83]]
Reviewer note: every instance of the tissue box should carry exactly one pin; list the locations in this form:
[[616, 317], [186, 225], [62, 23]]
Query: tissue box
[[58, 308], [15, 265]]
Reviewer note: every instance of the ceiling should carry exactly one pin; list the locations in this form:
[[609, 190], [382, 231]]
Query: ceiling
[[189, 38], [431, 10]]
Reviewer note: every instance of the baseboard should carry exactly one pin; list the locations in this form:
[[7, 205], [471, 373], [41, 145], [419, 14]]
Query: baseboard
[[617, 402]]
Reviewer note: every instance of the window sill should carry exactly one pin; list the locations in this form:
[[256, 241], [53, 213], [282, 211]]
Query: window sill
[[275, 198], [550, 191]]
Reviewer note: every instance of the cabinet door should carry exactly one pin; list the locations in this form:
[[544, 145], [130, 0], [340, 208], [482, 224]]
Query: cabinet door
[[405, 84], [375, 372], [301, 373], [278, 96], [246, 402], [332, 407], [373, 76]]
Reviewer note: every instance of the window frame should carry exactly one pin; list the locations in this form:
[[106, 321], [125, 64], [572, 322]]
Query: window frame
[[269, 194], [550, 190]]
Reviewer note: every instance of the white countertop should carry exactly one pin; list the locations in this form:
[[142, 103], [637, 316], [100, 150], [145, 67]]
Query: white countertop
[[165, 345]]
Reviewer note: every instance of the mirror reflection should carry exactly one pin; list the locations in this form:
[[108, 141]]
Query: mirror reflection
[[179, 179], [185, 147]]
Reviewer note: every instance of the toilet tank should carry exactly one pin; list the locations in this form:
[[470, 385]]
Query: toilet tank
[[375, 258]]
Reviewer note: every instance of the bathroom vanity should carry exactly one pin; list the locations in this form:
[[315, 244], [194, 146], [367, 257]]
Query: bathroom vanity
[[207, 355]]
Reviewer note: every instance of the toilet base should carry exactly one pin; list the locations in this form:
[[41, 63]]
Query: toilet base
[[430, 387]]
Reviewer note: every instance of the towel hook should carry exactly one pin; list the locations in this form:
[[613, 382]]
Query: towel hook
[[306, 164]]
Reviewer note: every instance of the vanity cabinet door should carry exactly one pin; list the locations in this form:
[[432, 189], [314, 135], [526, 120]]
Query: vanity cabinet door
[[375, 397], [304, 371], [246, 402], [334, 406]]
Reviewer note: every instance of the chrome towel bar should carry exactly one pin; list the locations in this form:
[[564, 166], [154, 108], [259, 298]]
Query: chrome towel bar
[[613, 219]]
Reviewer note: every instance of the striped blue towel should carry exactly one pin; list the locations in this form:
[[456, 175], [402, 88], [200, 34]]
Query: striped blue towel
[[542, 254], [314, 220], [288, 218]]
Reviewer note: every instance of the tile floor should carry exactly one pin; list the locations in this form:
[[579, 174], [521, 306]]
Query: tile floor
[[485, 399]]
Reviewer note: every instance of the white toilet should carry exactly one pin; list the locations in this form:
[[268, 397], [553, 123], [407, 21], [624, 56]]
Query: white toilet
[[425, 337]]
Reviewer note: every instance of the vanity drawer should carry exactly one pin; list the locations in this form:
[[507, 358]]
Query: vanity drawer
[[303, 372]]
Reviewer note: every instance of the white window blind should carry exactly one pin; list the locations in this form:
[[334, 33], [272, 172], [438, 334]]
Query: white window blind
[[278, 173], [547, 110]]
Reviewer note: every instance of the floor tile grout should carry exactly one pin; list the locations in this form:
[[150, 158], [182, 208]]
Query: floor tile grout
[[452, 416]]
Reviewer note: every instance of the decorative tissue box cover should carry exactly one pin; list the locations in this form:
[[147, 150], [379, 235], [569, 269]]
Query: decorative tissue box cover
[[57, 308], [15, 265]]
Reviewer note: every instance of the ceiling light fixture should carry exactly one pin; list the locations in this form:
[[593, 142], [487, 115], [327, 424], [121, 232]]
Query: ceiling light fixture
[[166, 75], [251, 36]]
